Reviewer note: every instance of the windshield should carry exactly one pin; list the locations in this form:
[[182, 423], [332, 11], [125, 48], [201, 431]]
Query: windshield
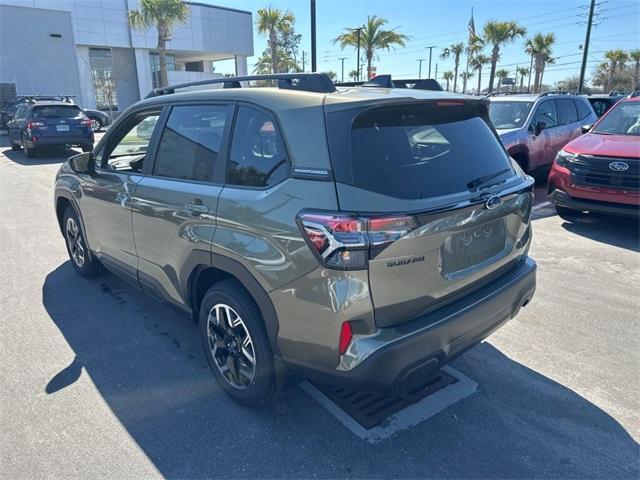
[[56, 111], [623, 119], [416, 151], [509, 114]]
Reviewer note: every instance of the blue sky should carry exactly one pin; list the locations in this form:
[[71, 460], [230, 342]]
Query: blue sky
[[441, 23]]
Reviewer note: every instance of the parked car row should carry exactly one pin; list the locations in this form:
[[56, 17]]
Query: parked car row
[[592, 167], [98, 118]]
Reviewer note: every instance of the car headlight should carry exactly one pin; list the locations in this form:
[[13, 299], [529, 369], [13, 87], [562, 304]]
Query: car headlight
[[563, 158]]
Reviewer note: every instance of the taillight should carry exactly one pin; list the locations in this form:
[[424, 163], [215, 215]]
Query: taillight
[[86, 122], [32, 125], [346, 335], [342, 241]]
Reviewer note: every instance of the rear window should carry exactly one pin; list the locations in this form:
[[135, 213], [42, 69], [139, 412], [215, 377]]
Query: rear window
[[55, 111], [415, 151]]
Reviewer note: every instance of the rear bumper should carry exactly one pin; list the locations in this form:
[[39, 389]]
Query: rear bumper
[[61, 140], [398, 357], [563, 199]]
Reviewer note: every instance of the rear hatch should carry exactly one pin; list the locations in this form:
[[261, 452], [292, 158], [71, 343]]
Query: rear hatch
[[59, 121], [433, 176]]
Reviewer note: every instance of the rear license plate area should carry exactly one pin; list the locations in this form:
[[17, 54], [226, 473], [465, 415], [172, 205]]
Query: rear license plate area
[[62, 128], [473, 246]]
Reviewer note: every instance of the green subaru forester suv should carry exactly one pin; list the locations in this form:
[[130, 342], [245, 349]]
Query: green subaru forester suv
[[361, 237]]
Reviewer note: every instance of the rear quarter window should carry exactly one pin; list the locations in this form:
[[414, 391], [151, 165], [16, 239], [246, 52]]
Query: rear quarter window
[[566, 111], [415, 151]]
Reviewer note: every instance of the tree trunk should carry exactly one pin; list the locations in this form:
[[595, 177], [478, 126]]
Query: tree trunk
[[447, 89], [537, 80], [521, 82], [636, 76], [612, 74], [273, 46], [479, 79], [455, 75], [369, 61], [541, 76], [163, 80], [494, 61]]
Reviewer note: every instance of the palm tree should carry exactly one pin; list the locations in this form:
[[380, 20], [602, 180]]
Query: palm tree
[[497, 34], [465, 76], [454, 51], [539, 47], [353, 74], [372, 38], [547, 60], [501, 74], [523, 72], [164, 15], [616, 59], [476, 64], [474, 48], [270, 22], [635, 56], [448, 76]]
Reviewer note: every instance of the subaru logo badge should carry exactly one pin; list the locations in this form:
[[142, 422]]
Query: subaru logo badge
[[619, 166], [493, 202]]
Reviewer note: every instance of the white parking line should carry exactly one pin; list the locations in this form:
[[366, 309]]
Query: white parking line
[[541, 205], [406, 418]]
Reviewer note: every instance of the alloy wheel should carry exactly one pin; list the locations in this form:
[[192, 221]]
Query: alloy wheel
[[74, 240], [95, 125], [231, 346]]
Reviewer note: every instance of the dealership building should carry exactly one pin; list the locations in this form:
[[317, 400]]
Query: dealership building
[[86, 48]]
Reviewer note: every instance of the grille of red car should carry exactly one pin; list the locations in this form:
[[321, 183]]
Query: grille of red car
[[595, 171]]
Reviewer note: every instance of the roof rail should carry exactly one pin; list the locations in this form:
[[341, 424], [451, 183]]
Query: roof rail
[[308, 82], [495, 94], [385, 81], [557, 92]]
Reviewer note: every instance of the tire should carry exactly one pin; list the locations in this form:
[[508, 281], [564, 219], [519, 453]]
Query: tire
[[29, 152], [14, 146], [246, 382], [87, 148], [96, 124], [81, 259]]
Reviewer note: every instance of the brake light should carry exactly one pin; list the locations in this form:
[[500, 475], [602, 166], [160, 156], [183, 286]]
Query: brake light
[[342, 241], [346, 335], [33, 125], [449, 103], [86, 122]]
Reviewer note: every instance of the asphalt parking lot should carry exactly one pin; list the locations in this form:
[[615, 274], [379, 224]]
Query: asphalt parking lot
[[98, 380]]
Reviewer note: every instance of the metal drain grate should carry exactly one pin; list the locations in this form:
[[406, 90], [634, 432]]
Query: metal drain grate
[[370, 409]]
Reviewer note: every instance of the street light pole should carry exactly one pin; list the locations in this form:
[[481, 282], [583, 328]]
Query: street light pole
[[420, 60], [342, 59], [431, 47], [313, 36]]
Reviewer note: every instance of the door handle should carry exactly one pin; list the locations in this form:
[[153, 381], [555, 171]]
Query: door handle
[[196, 208]]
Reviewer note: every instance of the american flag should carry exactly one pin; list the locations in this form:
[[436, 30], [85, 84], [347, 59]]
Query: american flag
[[472, 28]]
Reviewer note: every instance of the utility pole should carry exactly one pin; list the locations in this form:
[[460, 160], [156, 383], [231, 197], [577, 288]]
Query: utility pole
[[431, 47], [313, 36], [436, 77], [303, 64], [342, 59], [585, 50], [420, 60], [358, 31]]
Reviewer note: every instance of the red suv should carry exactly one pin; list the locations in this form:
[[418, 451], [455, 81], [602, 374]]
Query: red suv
[[600, 171]]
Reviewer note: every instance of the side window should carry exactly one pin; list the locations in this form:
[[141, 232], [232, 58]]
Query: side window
[[566, 111], [20, 113], [258, 157], [546, 113], [191, 142], [129, 145], [584, 109]]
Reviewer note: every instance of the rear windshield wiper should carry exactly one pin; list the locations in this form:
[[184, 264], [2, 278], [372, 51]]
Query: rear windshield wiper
[[477, 182]]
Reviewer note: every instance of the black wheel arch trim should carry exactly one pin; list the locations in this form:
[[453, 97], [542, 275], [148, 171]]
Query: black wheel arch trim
[[249, 282], [70, 197]]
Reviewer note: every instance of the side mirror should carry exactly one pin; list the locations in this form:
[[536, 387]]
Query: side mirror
[[83, 163], [586, 128]]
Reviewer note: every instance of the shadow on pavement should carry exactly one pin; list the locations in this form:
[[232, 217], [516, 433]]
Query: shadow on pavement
[[147, 364], [620, 232]]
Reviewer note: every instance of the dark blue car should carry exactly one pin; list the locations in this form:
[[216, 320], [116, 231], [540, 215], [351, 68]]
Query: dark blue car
[[46, 123]]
